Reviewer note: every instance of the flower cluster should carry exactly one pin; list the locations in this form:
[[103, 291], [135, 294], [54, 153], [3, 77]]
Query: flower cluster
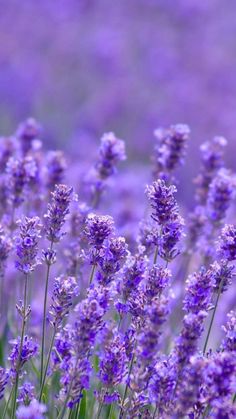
[[27, 244]]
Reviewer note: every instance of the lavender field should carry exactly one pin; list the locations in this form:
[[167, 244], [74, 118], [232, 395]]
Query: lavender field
[[118, 226]]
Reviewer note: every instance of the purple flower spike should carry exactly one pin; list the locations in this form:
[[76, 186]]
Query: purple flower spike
[[27, 244], [57, 212]]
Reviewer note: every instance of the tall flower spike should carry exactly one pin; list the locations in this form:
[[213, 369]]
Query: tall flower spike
[[111, 151], [229, 342], [57, 212], [98, 228], [162, 201], [5, 248], [227, 243], [28, 351], [27, 133], [65, 288], [212, 161], [199, 291], [27, 244], [19, 172], [56, 166], [221, 192], [170, 149], [158, 278]]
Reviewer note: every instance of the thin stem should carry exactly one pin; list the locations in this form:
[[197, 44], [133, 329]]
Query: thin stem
[[92, 274], [7, 404], [213, 317], [47, 363], [62, 413], [155, 256], [44, 319], [155, 412], [127, 386], [111, 411], [21, 345], [99, 410]]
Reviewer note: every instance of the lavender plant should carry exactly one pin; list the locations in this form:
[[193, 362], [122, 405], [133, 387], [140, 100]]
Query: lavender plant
[[121, 327]]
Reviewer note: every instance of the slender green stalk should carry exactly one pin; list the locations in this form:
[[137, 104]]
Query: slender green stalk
[[127, 386], [47, 364], [213, 317], [21, 345], [7, 403], [99, 410], [44, 319]]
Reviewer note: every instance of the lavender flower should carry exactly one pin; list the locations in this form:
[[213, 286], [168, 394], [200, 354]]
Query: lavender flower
[[111, 258], [27, 133], [162, 201], [57, 212], [161, 385], [113, 362], [212, 161], [26, 393], [27, 244], [223, 275], [133, 273], [170, 236], [221, 192], [3, 381], [112, 151], [34, 410], [6, 151], [5, 248], [19, 173], [170, 149], [229, 342], [19, 358], [65, 288], [56, 166], [98, 229], [186, 344], [227, 243], [158, 278], [199, 291]]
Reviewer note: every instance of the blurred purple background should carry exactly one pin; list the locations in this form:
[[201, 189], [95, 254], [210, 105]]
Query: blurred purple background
[[84, 67]]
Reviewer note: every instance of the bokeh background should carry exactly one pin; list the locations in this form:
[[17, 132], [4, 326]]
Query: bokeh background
[[84, 67]]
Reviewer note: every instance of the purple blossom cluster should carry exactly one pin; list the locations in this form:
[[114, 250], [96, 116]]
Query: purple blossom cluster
[[116, 323]]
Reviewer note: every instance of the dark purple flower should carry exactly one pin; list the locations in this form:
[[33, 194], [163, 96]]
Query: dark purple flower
[[26, 393], [113, 361], [3, 381], [221, 191], [56, 166], [111, 258], [162, 383], [29, 350], [34, 410], [223, 275], [162, 201], [212, 161], [170, 236], [111, 151], [199, 291], [27, 133], [219, 376], [5, 248], [27, 244], [227, 243], [229, 342], [170, 149], [57, 212], [19, 174], [98, 229], [223, 409], [158, 278], [186, 344], [65, 288], [133, 273]]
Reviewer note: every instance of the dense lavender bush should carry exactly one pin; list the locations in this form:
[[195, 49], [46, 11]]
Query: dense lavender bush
[[99, 321]]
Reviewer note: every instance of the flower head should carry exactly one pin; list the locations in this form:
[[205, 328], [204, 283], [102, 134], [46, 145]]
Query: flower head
[[3, 381], [27, 244], [65, 288], [34, 410], [28, 351], [112, 150], [56, 166], [98, 228], [57, 212], [162, 201]]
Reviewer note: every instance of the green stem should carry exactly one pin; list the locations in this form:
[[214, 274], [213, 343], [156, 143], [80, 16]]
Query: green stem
[[99, 410], [47, 364], [44, 319], [127, 386], [111, 411], [21, 345], [7, 404], [213, 317], [155, 412]]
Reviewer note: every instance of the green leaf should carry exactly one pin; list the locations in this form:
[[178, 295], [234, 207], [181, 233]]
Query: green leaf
[[82, 410]]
